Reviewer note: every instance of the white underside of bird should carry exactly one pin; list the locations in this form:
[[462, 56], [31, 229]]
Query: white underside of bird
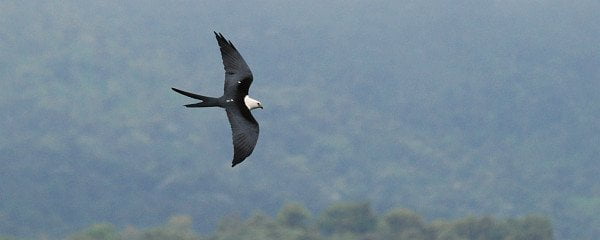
[[251, 103]]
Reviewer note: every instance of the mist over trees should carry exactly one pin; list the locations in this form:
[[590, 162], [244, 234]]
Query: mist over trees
[[346, 221], [450, 109]]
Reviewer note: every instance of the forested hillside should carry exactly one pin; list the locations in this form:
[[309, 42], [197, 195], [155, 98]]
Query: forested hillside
[[449, 109], [348, 221]]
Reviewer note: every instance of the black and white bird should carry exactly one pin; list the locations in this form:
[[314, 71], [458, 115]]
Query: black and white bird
[[235, 100]]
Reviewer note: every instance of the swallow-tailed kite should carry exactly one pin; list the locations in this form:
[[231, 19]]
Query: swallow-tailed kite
[[235, 100]]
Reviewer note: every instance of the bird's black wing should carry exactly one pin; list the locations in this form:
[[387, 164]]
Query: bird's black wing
[[244, 130], [238, 76]]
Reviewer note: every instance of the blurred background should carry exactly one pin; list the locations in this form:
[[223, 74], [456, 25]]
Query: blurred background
[[447, 108]]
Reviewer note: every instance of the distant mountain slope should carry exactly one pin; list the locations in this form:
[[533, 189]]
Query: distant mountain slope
[[447, 109]]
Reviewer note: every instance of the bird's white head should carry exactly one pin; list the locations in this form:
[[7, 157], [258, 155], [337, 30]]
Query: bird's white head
[[252, 103]]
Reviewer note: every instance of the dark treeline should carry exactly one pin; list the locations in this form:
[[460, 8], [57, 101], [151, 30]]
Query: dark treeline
[[341, 221]]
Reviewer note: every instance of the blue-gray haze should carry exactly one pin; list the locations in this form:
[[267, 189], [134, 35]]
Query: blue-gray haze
[[448, 108]]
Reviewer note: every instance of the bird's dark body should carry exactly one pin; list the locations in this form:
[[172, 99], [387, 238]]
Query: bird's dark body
[[238, 79]]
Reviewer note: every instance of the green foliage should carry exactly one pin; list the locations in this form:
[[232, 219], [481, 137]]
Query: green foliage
[[178, 228], [479, 228], [7, 238], [293, 216], [404, 224], [261, 227], [397, 224], [97, 232], [530, 228], [488, 228], [344, 218]]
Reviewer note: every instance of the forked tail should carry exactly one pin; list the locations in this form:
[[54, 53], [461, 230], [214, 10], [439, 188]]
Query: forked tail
[[206, 101]]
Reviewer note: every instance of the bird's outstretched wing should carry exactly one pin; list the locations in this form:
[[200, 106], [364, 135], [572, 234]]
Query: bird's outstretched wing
[[238, 76], [244, 130]]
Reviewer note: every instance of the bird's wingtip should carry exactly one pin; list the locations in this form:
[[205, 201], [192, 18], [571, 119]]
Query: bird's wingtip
[[177, 90], [235, 162]]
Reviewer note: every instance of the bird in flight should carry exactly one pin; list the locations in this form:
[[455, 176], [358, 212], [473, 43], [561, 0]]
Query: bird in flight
[[235, 101]]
